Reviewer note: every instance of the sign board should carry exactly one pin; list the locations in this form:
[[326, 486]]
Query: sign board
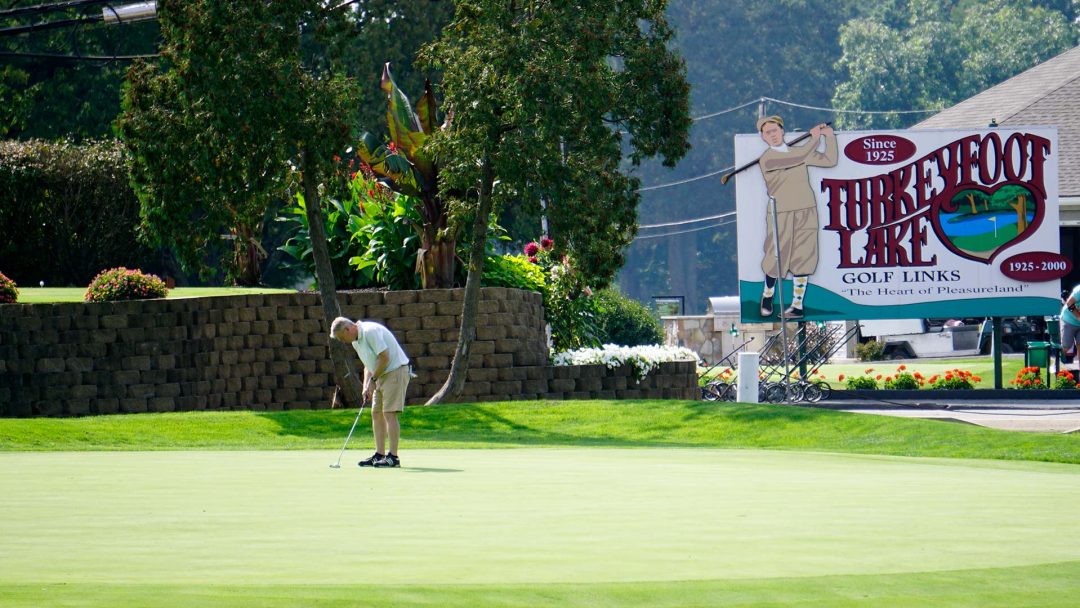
[[899, 224]]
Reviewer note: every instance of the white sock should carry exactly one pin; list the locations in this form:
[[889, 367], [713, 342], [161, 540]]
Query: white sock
[[799, 291]]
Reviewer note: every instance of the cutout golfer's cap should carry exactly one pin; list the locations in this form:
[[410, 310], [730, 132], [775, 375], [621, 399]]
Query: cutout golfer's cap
[[766, 119]]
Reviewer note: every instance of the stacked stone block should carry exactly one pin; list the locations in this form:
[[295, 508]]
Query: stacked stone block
[[270, 352]]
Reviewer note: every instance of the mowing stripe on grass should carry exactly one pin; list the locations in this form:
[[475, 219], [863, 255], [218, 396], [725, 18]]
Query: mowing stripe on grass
[[526, 516]]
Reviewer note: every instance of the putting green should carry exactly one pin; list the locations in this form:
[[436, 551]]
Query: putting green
[[520, 516]]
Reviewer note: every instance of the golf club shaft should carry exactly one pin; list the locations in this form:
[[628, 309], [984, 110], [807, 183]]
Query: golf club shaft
[[358, 414]]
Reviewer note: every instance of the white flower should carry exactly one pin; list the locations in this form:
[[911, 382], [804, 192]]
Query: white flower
[[643, 359]]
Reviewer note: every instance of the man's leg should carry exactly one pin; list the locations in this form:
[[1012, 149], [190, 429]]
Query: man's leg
[[378, 428], [393, 431]]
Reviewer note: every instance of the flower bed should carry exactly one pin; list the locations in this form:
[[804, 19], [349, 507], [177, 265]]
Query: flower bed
[[643, 359]]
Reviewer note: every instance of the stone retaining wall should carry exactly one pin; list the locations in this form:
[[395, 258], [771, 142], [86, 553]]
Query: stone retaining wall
[[269, 352]]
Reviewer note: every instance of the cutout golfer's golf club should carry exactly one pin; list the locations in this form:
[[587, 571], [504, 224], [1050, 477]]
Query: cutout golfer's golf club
[[337, 465]]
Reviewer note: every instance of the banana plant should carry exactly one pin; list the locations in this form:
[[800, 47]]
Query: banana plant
[[404, 167]]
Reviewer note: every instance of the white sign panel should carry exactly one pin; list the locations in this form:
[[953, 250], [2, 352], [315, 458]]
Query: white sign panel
[[898, 224]]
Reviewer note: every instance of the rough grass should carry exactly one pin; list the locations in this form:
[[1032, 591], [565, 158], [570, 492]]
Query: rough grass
[[549, 423]]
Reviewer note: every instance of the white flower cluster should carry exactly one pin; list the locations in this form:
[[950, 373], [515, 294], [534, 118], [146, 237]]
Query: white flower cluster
[[643, 359]]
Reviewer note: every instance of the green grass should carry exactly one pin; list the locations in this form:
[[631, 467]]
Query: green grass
[[590, 503], [57, 295], [541, 423], [535, 526]]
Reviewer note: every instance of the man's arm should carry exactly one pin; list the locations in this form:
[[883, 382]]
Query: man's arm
[[831, 154]]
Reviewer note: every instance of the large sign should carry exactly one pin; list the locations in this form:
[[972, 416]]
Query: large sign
[[898, 224]]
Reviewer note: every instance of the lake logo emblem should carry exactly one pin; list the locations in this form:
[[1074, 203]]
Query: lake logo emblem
[[978, 223]]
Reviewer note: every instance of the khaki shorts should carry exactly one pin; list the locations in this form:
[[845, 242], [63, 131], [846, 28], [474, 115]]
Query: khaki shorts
[[390, 390]]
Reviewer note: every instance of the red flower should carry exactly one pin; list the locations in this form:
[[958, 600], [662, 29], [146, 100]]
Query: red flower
[[841, 378], [546, 244], [532, 249], [532, 259]]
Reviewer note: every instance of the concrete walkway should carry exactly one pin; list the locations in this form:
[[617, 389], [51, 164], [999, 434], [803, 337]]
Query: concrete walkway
[[1050, 416]]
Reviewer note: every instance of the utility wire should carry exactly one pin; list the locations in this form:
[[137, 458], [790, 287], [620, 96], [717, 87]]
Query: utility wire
[[48, 8], [709, 227], [685, 181], [691, 221], [839, 111]]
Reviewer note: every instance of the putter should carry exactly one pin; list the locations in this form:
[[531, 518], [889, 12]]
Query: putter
[[337, 465]]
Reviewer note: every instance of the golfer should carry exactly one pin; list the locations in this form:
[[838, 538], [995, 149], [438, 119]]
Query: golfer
[[1070, 324], [788, 183], [386, 378]]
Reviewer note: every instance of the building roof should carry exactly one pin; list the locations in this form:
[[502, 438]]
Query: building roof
[[1047, 94]]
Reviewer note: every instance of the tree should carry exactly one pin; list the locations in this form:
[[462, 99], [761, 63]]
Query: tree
[[544, 96], [212, 130], [927, 54], [53, 95]]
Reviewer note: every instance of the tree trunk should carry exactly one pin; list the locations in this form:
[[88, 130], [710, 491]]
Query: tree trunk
[[344, 369], [460, 365]]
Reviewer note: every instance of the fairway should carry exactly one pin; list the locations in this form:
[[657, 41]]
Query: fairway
[[105, 523]]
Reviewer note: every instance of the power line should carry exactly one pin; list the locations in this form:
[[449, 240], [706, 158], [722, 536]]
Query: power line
[[660, 236], [691, 221], [839, 111], [727, 111], [685, 181]]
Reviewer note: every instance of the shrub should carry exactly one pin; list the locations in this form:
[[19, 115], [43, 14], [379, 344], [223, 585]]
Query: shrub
[[9, 291], [871, 350], [371, 233], [903, 380], [954, 379], [66, 211], [117, 284], [625, 321], [512, 271], [568, 304], [1065, 380], [1028, 378], [865, 383]]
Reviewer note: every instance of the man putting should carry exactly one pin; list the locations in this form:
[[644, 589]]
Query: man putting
[[386, 378]]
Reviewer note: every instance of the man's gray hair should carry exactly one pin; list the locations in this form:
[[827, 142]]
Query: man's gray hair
[[339, 324]]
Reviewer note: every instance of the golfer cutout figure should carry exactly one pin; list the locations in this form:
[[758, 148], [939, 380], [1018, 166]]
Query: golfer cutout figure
[[788, 183], [386, 378]]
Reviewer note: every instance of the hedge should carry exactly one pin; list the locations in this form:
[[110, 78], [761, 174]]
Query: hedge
[[66, 212]]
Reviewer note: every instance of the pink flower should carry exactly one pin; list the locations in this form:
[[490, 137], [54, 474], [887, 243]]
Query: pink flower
[[546, 244], [532, 249], [532, 259]]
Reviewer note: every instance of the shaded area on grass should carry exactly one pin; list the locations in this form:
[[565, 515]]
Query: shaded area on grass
[[1044, 585]]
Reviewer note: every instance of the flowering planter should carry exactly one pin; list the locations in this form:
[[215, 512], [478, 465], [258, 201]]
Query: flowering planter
[[981, 394]]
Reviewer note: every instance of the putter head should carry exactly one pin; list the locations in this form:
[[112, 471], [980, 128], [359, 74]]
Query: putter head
[[335, 466]]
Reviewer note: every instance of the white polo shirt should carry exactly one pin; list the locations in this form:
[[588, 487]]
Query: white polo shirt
[[374, 338]]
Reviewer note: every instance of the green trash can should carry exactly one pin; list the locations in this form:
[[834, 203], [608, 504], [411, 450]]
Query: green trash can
[[1037, 355]]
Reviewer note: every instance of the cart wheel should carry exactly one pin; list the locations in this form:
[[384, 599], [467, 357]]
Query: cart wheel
[[812, 393], [826, 390], [775, 393]]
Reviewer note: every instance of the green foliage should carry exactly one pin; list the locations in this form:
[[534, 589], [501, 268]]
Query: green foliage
[[513, 271], [568, 304], [359, 43], [545, 96], [1064, 379], [371, 233], [871, 350], [954, 379], [1029, 378], [408, 168], [902, 382], [9, 291], [52, 98], [936, 54], [866, 383], [624, 321], [212, 126], [119, 284], [66, 211]]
